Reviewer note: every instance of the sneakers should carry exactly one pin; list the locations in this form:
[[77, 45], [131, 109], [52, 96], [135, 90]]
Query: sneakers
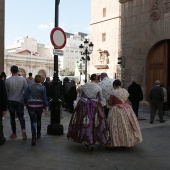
[[13, 136], [24, 136]]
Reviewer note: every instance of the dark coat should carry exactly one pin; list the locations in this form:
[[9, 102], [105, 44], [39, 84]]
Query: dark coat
[[72, 94], [135, 92], [3, 96], [156, 93], [48, 88]]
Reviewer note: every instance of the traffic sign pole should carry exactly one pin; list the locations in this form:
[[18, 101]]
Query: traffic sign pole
[[58, 39]]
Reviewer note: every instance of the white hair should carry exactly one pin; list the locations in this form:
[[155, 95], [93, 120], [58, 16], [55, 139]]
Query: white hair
[[133, 80], [157, 82]]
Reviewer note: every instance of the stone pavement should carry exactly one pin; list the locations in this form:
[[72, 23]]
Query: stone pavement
[[57, 153]]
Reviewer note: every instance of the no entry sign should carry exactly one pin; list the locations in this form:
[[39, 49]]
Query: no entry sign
[[58, 38]]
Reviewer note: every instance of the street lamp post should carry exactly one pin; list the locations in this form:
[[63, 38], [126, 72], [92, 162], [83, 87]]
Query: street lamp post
[[85, 51], [80, 71], [55, 128]]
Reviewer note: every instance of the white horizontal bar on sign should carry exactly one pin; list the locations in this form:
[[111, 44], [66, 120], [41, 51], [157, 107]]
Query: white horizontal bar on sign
[[58, 52]]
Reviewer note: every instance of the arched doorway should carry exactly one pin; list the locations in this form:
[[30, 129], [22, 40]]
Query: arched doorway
[[158, 65]]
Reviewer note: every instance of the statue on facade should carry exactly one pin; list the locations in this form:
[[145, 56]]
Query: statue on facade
[[104, 57]]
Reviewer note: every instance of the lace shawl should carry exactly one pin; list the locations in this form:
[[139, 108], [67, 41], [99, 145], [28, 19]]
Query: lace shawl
[[121, 93], [91, 89]]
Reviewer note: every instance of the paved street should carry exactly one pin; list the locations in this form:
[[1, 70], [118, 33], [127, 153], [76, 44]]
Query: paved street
[[56, 152]]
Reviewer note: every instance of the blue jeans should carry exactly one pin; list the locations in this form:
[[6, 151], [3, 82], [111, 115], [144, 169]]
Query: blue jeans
[[35, 117], [16, 108]]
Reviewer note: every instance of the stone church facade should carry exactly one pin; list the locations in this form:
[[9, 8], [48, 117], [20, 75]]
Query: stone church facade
[[145, 42], [139, 30]]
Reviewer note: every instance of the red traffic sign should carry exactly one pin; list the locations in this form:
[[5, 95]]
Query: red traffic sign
[[58, 38]]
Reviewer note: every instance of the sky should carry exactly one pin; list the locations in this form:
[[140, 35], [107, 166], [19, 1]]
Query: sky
[[35, 18]]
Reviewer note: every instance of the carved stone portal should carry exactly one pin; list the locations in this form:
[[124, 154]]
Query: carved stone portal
[[159, 8], [155, 11]]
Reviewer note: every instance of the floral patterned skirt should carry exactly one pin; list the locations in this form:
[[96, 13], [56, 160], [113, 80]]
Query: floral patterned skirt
[[124, 127], [88, 124]]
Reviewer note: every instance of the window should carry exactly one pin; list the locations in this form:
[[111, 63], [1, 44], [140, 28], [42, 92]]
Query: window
[[103, 37], [104, 12]]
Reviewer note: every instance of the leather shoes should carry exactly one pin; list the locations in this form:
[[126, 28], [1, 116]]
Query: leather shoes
[[162, 121], [151, 122]]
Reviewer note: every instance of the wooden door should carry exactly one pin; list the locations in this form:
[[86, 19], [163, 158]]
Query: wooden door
[[157, 65]]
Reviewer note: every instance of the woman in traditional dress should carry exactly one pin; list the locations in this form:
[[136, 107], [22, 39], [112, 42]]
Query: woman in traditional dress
[[88, 124], [123, 124]]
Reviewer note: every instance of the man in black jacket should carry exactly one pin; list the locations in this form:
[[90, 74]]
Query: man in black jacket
[[156, 97], [136, 95], [3, 109]]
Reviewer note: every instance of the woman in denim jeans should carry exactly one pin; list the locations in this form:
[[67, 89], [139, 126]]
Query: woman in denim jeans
[[35, 100]]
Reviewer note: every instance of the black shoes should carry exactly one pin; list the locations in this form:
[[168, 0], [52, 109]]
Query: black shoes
[[2, 141], [162, 121]]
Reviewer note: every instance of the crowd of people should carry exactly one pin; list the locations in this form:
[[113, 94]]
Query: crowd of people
[[103, 115], [102, 111]]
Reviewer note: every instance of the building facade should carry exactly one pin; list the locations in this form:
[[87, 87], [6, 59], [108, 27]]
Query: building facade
[[105, 33], [145, 42], [31, 56], [72, 52], [139, 30]]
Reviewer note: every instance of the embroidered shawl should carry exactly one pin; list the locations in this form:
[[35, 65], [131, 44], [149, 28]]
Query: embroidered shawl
[[121, 93], [91, 89]]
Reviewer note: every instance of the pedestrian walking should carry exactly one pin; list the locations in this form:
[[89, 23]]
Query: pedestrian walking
[[30, 79], [156, 97], [136, 95], [15, 86], [165, 106], [106, 84], [66, 87], [72, 95], [36, 100], [3, 109], [123, 124], [47, 85], [88, 124], [3, 76]]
